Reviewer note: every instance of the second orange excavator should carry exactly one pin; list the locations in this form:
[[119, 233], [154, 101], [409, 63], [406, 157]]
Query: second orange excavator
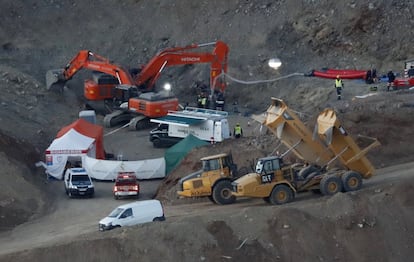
[[131, 93]]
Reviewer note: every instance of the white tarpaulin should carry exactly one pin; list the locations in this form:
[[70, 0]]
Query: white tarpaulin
[[71, 143], [108, 169]]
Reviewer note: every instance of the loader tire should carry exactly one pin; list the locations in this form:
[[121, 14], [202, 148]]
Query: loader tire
[[222, 193], [351, 181], [330, 185], [281, 194]]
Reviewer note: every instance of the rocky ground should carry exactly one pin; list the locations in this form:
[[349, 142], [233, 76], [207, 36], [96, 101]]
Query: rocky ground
[[370, 225]]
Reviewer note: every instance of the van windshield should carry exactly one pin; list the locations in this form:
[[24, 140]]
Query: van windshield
[[116, 212], [83, 178]]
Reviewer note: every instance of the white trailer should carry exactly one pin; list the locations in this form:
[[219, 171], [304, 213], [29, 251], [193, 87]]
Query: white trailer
[[205, 124]]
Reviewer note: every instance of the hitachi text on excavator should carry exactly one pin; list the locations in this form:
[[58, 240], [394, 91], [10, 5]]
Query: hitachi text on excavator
[[131, 94]]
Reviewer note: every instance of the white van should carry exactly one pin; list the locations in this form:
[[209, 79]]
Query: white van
[[132, 214]]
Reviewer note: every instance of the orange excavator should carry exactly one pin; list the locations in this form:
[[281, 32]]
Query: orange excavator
[[132, 92]]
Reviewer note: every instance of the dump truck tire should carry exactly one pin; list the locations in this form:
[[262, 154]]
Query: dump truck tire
[[351, 181], [330, 185], [304, 172], [222, 193], [281, 194]]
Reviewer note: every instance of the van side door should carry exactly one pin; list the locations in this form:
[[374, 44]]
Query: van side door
[[127, 218], [146, 213]]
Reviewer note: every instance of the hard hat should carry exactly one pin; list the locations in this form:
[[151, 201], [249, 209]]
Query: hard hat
[[237, 124], [337, 76]]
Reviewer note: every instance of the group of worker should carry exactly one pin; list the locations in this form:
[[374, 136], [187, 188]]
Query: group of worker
[[370, 79], [203, 102]]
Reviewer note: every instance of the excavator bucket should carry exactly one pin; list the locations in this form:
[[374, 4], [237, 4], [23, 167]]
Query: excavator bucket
[[55, 79]]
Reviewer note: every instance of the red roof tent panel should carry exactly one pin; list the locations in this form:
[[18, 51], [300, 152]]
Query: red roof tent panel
[[88, 129]]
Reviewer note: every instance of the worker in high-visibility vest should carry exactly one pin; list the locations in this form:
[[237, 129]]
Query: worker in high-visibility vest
[[199, 101], [238, 131], [203, 102], [339, 85]]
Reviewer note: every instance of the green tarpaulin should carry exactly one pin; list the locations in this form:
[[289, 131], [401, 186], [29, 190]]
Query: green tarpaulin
[[176, 153]]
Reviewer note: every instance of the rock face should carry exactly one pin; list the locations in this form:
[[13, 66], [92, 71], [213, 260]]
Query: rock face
[[38, 36]]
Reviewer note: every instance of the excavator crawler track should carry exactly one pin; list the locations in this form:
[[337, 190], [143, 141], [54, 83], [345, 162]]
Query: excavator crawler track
[[116, 118]]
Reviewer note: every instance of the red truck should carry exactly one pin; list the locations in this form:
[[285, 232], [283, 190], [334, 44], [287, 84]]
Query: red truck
[[126, 185]]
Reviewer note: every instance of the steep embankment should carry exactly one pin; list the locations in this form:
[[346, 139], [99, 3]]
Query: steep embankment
[[40, 35], [371, 225]]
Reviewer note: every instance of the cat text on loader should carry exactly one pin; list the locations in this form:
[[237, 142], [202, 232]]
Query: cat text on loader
[[277, 183], [213, 180]]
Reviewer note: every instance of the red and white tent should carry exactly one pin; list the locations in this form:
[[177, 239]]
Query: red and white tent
[[75, 140]]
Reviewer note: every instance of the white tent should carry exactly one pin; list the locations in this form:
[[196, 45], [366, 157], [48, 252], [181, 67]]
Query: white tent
[[108, 169], [72, 143]]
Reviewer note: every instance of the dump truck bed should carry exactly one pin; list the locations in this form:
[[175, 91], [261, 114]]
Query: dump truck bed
[[291, 131], [343, 145]]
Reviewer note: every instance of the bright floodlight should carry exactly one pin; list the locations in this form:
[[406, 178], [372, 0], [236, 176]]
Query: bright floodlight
[[167, 86], [275, 63]]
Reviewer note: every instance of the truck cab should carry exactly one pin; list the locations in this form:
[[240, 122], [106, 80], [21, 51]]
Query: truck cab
[[270, 175], [213, 180], [126, 185], [160, 138], [77, 182]]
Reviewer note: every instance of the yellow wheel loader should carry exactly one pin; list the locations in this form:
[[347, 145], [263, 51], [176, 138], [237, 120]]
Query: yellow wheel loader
[[213, 180]]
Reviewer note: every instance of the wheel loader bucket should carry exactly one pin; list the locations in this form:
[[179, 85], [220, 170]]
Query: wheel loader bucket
[[55, 79]]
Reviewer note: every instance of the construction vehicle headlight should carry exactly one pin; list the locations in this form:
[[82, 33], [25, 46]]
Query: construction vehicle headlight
[[275, 63], [167, 86]]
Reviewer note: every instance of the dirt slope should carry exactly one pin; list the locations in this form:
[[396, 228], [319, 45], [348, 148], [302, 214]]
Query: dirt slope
[[369, 226], [40, 35]]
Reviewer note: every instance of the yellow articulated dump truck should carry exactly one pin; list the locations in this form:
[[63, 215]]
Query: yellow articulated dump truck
[[213, 180], [331, 160]]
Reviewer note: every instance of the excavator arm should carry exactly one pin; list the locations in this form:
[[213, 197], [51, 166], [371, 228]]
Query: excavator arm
[[181, 56], [149, 74], [85, 59], [127, 86]]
